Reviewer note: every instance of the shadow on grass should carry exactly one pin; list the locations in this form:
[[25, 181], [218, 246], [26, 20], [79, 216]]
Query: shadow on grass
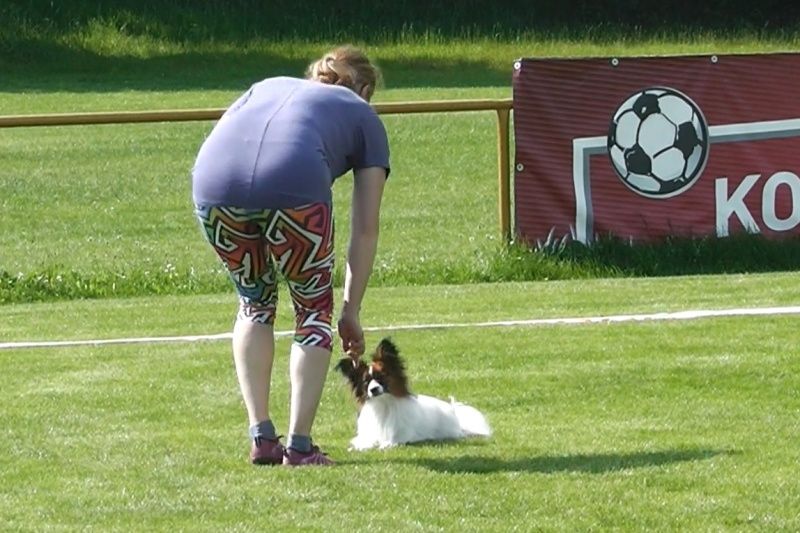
[[589, 463], [38, 65]]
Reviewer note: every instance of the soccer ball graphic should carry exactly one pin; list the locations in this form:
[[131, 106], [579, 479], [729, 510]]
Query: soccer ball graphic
[[658, 142]]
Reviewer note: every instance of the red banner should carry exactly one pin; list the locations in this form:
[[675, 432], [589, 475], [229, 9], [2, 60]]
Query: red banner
[[642, 148]]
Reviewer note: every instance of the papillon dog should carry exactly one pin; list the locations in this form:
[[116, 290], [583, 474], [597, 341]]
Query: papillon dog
[[389, 414]]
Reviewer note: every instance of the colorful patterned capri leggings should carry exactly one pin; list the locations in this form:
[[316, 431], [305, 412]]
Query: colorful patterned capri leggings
[[256, 243]]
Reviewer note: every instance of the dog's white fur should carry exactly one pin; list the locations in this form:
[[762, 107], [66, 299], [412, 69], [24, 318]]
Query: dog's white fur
[[387, 420]]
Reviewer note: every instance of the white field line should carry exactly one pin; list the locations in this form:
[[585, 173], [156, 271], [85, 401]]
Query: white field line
[[678, 315]]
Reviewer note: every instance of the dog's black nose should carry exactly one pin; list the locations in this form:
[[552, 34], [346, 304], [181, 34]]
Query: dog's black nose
[[375, 391]]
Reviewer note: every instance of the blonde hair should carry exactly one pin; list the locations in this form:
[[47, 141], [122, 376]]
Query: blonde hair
[[347, 66]]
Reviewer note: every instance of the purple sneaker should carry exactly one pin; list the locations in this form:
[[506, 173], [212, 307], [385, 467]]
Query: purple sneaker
[[267, 452], [315, 457]]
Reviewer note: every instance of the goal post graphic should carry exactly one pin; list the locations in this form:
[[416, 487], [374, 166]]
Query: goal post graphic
[[586, 147]]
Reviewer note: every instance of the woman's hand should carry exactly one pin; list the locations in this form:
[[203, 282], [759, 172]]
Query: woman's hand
[[352, 335]]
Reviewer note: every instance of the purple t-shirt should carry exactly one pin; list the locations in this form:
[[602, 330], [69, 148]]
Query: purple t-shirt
[[284, 142]]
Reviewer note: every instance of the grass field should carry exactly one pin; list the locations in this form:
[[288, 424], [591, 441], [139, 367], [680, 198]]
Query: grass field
[[682, 425], [118, 218], [686, 425]]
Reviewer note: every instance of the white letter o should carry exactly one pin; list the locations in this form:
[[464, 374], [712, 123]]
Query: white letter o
[[771, 219]]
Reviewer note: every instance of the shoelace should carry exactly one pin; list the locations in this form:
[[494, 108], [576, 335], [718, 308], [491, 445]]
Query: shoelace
[[315, 449], [258, 440]]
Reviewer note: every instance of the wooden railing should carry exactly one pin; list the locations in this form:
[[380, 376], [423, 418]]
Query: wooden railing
[[501, 107]]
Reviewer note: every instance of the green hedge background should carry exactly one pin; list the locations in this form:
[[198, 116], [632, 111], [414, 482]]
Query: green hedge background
[[381, 19]]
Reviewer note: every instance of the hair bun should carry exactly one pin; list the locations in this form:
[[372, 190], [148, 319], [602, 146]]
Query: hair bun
[[346, 66]]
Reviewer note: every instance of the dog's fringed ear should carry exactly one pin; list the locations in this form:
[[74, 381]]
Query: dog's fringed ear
[[350, 369], [345, 366], [393, 367], [354, 372], [386, 349]]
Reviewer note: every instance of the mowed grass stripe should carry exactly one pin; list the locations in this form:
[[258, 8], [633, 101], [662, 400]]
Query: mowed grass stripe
[[685, 425], [200, 314]]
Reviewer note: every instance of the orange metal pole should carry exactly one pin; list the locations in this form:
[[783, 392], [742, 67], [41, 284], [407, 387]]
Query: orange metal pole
[[504, 173], [126, 117]]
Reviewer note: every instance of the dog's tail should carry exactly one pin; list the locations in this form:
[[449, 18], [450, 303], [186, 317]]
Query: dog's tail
[[472, 421]]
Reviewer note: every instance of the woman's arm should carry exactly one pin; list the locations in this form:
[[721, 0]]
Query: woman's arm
[[364, 229]]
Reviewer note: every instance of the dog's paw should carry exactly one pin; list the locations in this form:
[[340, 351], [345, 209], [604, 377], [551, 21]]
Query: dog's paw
[[360, 445]]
